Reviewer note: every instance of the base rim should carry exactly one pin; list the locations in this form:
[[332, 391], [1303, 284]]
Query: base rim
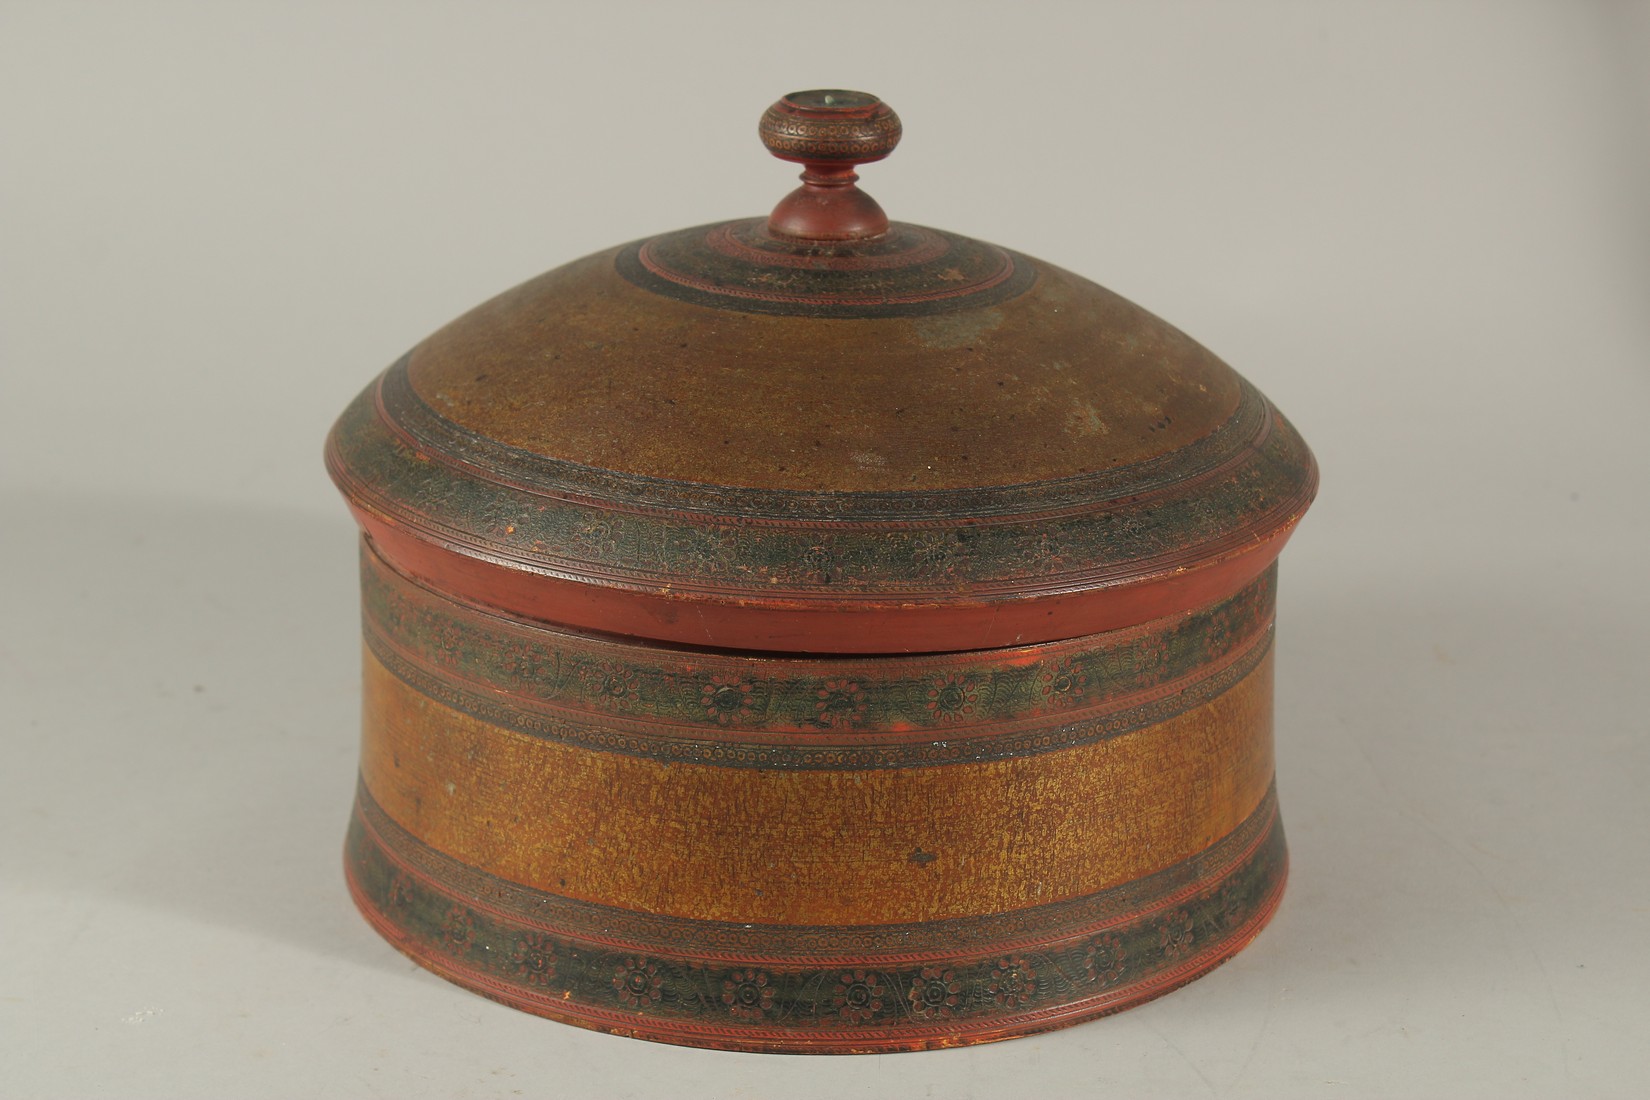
[[1159, 934]]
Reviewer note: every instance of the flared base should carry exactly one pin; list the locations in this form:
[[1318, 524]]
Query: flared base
[[816, 989]]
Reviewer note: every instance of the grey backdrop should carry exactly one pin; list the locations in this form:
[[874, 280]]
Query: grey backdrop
[[1421, 228]]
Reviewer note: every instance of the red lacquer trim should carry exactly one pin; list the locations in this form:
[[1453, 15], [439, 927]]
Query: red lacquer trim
[[927, 245], [952, 1033], [962, 732], [794, 624]]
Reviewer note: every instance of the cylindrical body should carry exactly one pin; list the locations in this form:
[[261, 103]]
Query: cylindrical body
[[828, 854]]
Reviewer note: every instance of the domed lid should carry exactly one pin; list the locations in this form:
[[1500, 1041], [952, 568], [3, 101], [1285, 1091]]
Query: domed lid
[[821, 431]]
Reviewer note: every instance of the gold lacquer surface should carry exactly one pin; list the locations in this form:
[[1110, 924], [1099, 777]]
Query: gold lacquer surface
[[1065, 379], [845, 846]]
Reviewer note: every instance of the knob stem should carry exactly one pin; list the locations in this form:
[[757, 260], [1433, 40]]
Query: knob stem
[[830, 133]]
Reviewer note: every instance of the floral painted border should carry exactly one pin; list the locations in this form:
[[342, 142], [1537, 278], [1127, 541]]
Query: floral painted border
[[395, 456], [809, 713], [679, 983]]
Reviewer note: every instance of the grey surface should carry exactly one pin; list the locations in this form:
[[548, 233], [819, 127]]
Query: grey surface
[[1421, 228]]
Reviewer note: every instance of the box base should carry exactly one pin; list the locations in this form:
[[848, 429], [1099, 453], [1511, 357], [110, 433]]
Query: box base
[[816, 990]]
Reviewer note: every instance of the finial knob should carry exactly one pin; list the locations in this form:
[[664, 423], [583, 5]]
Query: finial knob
[[829, 132]]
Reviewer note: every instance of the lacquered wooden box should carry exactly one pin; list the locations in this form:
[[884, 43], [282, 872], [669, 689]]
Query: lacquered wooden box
[[818, 634]]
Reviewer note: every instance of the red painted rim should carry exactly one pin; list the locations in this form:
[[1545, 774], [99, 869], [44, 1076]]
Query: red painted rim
[[792, 625]]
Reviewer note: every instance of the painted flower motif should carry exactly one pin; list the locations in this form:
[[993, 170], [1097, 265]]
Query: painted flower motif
[[1103, 960], [936, 994], [638, 982], [1176, 935], [401, 892], [727, 699], [935, 555], [1232, 908], [1013, 981], [609, 681], [1221, 634], [820, 563], [524, 662], [858, 995], [747, 994], [1061, 684], [1046, 552], [1152, 652], [535, 959], [597, 539], [458, 931], [951, 698], [703, 552], [498, 518], [446, 640], [1128, 526], [841, 703]]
